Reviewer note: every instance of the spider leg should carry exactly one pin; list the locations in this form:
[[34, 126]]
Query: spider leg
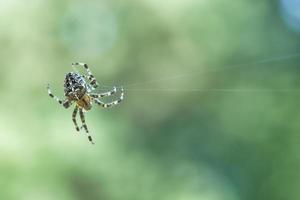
[[84, 125], [90, 76], [104, 94], [74, 118], [107, 105], [65, 103]]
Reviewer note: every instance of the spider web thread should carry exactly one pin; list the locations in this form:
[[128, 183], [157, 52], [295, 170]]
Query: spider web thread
[[131, 86]]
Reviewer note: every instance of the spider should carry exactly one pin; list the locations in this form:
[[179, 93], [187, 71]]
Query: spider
[[77, 89]]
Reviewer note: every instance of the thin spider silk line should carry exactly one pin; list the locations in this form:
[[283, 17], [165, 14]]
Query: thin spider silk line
[[215, 90], [215, 69], [128, 86]]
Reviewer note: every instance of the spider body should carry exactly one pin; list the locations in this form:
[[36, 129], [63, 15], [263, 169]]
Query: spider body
[[78, 89]]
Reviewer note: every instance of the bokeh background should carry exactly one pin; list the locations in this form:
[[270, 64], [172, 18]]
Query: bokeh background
[[211, 107]]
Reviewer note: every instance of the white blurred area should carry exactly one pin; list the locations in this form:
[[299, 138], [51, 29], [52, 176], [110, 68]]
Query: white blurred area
[[291, 13]]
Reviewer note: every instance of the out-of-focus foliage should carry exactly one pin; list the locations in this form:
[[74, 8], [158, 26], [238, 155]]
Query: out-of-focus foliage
[[178, 144]]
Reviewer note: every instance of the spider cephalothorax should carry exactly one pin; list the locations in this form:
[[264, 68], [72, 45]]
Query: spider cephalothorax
[[79, 89]]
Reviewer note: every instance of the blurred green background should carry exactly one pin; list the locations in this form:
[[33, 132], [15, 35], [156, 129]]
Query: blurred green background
[[191, 126]]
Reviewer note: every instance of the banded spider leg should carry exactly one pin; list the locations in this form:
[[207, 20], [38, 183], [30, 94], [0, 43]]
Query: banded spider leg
[[90, 76], [84, 125], [107, 105], [66, 103]]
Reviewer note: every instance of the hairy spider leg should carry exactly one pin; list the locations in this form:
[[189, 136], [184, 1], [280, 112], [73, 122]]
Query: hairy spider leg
[[84, 125], [91, 77], [65, 103], [74, 118], [107, 105], [104, 94]]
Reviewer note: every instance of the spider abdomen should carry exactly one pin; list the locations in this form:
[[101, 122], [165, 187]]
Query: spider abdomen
[[75, 86]]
